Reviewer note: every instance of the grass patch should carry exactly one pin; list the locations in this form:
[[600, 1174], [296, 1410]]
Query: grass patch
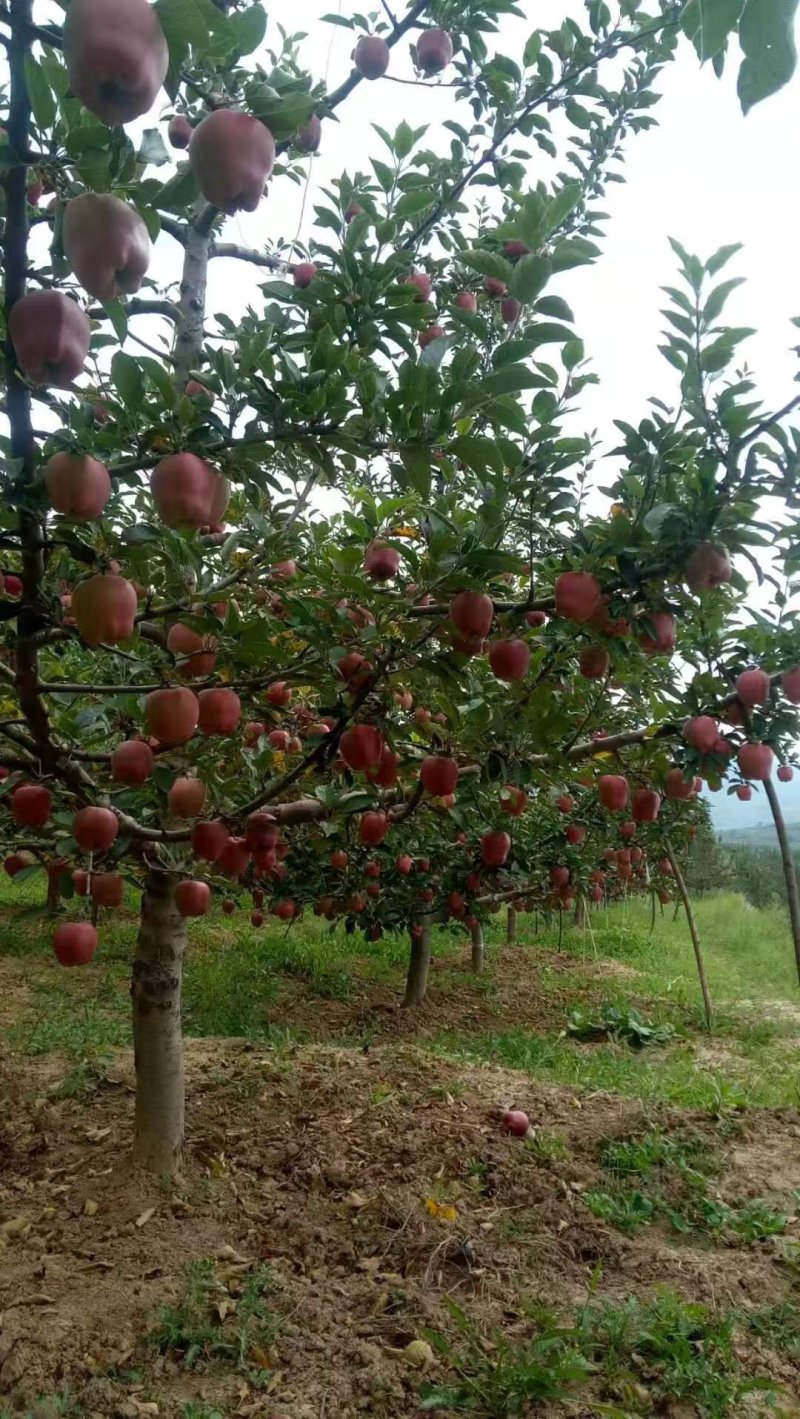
[[213, 1321], [637, 1356], [778, 1326]]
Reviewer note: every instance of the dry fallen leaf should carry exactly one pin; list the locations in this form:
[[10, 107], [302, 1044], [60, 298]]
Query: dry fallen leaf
[[90, 1207], [357, 1200], [144, 1217]]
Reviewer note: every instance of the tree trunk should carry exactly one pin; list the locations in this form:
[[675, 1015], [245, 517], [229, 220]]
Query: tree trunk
[[698, 950], [190, 331], [418, 965], [580, 917], [511, 927], [478, 952], [157, 1039], [53, 898], [789, 873]]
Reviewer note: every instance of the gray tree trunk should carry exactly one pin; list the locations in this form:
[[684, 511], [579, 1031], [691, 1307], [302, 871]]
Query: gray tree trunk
[[157, 1037], [478, 951], [511, 927], [418, 965]]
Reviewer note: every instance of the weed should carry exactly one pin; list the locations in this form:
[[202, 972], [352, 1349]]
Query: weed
[[778, 1325], [48, 1406], [192, 1410], [209, 1323], [619, 1023], [546, 1147], [624, 1209]]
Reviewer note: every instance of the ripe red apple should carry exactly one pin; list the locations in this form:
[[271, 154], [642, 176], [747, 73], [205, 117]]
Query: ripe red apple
[[107, 245], [785, 773], [594, 662], [278, 694], [744, 792], [434, 51], [80, 881], [466, 300], [354, 668], [309, 135], [513, 800], [31, 805], [209, 840], [381, 561], [304, 273], [678, 787], [229, 907], [192, 898], [108, 889], [439, 775], [495, 848], [51, 335], [423, 284], [373, 827], [422, 715], [361, 746], [261, 832], [662, 640], [77, 486], [352, 210], [385, 775], [404, 864], [285, 910], [708, 567], [753, 687], [171, 715], [535, 618], [494, 286], [233, 858], [645, 805], [74, 943], [104, 608], [17, 862], [232, 154], [220, 711], [471, 612], [701, 732], [187, 493], [755, 761], [12, 585], [279, 739], [456, 904], [510, 309], [628, 830], [790, 684], [196, 654], [559, 876], [516, 1123], [565, 803], [723, 746], [116, 57], [187, 797], [371, 56], [427, 337], [612, 790], [179, 131], [575, 834], [577, 595], [509, 659], [339, 860], [95, 829]]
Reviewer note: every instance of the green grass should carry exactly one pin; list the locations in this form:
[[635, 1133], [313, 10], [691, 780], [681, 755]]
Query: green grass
[[212, 1322]]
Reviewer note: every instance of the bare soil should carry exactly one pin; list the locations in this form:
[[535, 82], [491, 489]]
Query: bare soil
[[373, 1182]]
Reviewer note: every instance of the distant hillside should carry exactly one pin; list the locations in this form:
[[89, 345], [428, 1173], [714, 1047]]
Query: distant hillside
[[758, 835]]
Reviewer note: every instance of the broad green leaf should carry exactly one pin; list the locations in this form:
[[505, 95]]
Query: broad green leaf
[[248, 28], [530, 277], [718, 297], [766, 35], [127, 378], [489, 263], [708, 24], [41, 96]]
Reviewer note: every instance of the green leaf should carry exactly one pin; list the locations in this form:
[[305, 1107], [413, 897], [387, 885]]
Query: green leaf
[[708, 24], [548, 332], [40, 93], [179, 192], [116, 314], [766, 35], [716, 262], [716, 301], [248, 28], [510, 380], [189, 22], [530, 277], [128, 380]]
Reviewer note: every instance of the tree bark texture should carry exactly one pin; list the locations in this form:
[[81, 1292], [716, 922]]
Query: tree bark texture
[[157, 1038], [478, 951], [192, 306], [789, 873], [511, 927], [418, 965]]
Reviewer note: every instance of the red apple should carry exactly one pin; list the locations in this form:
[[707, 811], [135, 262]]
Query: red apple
[[404, 864], [17, 861], [513, 800], [708, 567], [427, 337], [171, 715], [509, 659], [381, 562], [755, 761], [361, 746], [575, 834], [187, 797], [466, 300], [662, 639], [107, 245], [285, 910], [371, 56], [785, 773], [304, 273], [116, 57], [790, 684], [594, 662], [309, 135], [278, 694], [209, 840], [179, 131], [74, 943], [701, 732], [471, 613], [31, 805], [516, 1123], [373, 827], [495, 848], [219, 711], [232, 154], [577, 596], [192, 898], [494, 286], [108, 889], [51, 335], [196, 654], [645, 805], [104, 608], [187, 493], [77, 486], [385, 773], [510, 309], [744, 792], [753, 687], [612, 790], [95, 829], [678, 787], [439, 775], [434, 51], [233, 858], [422, 283]]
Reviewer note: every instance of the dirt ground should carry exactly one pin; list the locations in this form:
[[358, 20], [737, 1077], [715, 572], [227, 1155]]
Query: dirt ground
[[373, 1183]]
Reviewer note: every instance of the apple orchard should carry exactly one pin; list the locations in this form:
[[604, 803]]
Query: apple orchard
[[479, 681]]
